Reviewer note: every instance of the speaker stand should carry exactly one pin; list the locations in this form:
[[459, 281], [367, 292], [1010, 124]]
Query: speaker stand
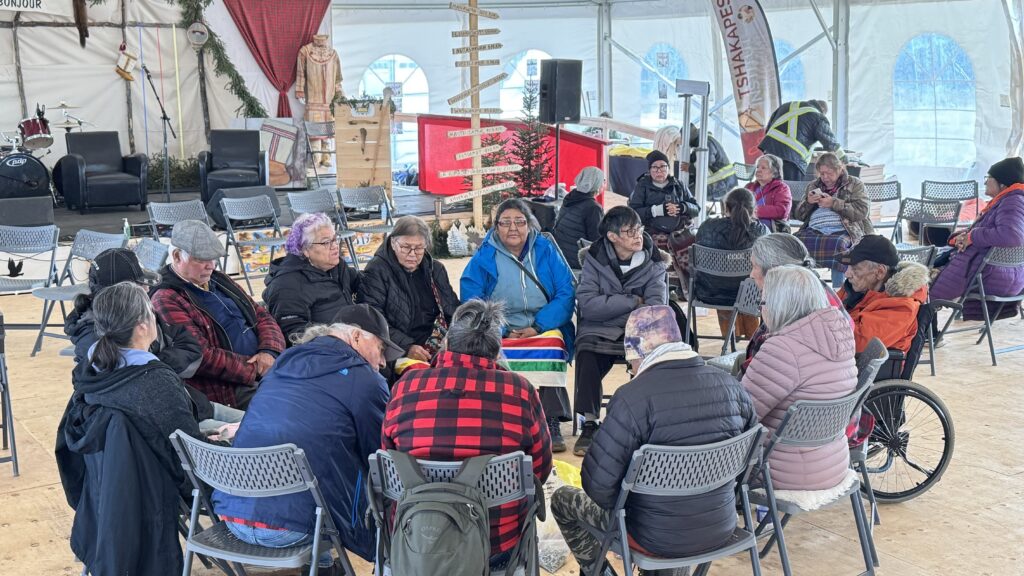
[[558, 139]]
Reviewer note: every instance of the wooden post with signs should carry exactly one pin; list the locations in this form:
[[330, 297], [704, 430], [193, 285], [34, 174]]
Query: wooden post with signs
[[472, 49]]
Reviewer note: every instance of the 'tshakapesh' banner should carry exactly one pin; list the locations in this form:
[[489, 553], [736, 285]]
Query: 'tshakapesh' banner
[[751, 57], [59, 7]]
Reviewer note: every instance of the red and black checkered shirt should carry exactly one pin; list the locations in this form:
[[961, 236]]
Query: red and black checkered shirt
[[464, 406]]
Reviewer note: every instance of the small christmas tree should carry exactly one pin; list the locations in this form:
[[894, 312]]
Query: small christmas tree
[[530, 148]]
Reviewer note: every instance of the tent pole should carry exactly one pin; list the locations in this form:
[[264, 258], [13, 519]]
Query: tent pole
[[127, 85], [203, 98], [841, 70], [17, 66], [604, 57]]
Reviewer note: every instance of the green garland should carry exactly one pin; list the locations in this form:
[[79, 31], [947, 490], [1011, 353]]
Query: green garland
[[360, 103]]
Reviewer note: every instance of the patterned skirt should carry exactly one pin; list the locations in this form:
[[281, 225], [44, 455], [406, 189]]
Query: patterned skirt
[[825, 249]]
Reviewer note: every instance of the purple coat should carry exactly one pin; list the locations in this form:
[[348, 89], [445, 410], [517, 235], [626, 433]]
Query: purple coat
[[1002, 225]]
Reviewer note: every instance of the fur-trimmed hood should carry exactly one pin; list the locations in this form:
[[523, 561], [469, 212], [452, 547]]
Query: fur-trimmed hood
[[908, 279]]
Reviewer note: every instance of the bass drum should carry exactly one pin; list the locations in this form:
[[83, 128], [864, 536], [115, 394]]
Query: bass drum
[[23, 176]]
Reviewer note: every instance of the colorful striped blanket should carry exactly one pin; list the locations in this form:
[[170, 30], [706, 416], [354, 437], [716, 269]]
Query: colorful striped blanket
[[542, 359]]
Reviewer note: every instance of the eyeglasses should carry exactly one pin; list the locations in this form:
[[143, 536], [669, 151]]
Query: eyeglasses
[[407, 250], [659, 167], [327, 243], [518, 223], [632, 232]]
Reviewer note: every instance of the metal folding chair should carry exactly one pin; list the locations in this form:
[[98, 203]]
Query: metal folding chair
[[923, 255], [997, 257], [811, 424], [6, 412], [152, 254], [744, 172], [252, 473], [369, 198], [717, 263], [324, 131], [507, 478], [674, 471], [798, 189], [930, 213], [254, 208], [961, 191], [30, 242], [869, 362], [881, 193], [325, 201], [86, 246], [169, 214]]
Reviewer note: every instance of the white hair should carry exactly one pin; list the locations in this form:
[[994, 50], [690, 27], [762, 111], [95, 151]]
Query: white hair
[[337, 329], [174, 250], [791, 293]]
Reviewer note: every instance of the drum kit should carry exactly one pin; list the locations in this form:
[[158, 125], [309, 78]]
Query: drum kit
[[22, 174]]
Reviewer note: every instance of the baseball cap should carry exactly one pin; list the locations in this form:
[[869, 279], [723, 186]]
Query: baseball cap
[[873, 248], [119, 265], [370, 320], [196, 238], [650, 327]]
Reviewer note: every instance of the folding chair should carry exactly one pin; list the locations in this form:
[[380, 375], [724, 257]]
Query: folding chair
[[748, 301], [961, 191], [929, 213], [798, 189], [323, 200], [151, 253], [744, 172], [86, 246], [169, 214], [811, 424], [323, 130], [253, 208], [507, 478], [869, 362], [675, 471], [923, 255], [368, 198], [253, 473], [6, 413], [721, 264], [881, 193], [30, 242], [997, 257]]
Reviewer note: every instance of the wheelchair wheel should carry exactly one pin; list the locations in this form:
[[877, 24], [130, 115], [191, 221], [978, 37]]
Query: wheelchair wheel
[[912, 442]]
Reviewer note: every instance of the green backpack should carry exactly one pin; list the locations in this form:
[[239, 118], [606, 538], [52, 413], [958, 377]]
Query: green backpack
[[440, 527]]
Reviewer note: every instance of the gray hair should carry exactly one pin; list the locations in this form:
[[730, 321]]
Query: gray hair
[[476, 329], [520, 205], [778, 249], [174, 250], [774, 164], [318, 330], [411, 226], [790, 294], [116, 311]]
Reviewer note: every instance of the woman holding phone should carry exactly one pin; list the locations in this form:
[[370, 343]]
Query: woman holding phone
[[835, 215]]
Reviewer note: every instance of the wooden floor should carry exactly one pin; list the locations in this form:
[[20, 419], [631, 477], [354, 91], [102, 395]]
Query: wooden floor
[[970, 523]]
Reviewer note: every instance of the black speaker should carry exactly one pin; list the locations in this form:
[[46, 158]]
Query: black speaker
[[561, 86]]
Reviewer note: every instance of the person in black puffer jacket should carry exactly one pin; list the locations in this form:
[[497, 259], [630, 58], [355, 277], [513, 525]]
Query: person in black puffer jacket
[[410, 289], [580, 215], [312, 282], [736, 231], [675, 399], [664, 204]]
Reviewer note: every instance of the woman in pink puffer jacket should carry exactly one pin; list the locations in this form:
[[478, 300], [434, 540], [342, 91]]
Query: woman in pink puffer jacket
[[808, 356]]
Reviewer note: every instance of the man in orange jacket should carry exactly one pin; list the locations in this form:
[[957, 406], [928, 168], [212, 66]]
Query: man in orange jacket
[[882, 294]]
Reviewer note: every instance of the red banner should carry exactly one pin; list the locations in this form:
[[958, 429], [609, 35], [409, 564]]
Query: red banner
[[751, 57], [437, 152]]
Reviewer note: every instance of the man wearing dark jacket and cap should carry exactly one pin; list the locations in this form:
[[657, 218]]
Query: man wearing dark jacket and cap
[[793, 130], [674, 400], [622, 271], [580, 215]]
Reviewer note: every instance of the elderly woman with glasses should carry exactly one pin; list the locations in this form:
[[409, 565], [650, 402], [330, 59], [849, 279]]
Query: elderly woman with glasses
[[526, 271], [411, 289], [312, 282], [772, 196]]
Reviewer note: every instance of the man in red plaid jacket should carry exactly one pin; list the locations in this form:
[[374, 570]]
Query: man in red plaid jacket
[[239, 338], [465, 405]]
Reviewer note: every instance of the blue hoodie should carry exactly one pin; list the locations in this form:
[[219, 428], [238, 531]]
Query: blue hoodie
[[326, 399]]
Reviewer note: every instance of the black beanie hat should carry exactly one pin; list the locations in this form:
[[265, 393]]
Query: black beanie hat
[[656, 155], [1007, 172]]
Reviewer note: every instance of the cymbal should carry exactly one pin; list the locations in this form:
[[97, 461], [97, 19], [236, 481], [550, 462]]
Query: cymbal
[[63, 106], [65, 125]]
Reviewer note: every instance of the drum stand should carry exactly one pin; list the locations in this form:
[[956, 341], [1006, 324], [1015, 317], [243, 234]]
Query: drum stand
[[166, 122]]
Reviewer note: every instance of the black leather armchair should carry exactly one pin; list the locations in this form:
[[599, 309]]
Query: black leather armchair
[[234, 160], [94, 174]]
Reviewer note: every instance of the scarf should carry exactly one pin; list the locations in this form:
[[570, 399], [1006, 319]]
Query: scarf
[[666, 352], [1001, 195]]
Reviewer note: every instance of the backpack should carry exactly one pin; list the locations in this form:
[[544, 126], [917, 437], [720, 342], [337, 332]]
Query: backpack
[[440, 527]]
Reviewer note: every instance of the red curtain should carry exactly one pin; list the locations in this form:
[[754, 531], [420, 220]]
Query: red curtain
[[274, 32]]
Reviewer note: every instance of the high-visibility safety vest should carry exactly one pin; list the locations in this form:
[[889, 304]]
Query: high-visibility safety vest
[[722, 173], [789, 119]]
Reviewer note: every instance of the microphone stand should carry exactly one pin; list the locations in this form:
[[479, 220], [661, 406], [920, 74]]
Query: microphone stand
[[166, 123]]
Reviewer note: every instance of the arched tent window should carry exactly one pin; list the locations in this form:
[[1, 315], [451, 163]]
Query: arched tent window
[[410, 93], [522, 68], [791, 77], [933, 91], [659, 104]]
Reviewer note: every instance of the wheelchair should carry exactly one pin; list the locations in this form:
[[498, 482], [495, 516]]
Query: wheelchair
[[912, 439]]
